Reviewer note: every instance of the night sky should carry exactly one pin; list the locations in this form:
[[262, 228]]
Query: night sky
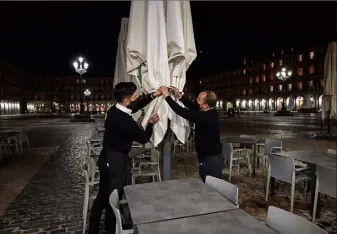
[[44, 37]]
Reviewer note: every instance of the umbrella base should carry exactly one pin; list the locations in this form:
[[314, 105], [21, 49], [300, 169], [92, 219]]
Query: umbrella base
[[283, 113], [82, 118]]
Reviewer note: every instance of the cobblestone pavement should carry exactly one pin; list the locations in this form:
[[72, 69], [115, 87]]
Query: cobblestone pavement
[[52, 200]]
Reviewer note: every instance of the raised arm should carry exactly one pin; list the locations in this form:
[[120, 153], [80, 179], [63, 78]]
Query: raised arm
[[141, 102], [190, 115], [140, 135], [189, 104]]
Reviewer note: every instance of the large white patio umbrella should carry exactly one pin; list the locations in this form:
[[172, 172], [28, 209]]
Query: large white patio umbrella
[[121, 74], [181, 52], [147, 49], [330, 82]]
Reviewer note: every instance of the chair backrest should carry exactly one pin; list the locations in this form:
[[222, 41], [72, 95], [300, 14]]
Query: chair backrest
[[230, 191], [154, 155], [286, 222], [326, 178], [114, 201], [281, 168], [331, 151], [227, 150], [247, 146], [270, 143], [91, 167], [86, 190]]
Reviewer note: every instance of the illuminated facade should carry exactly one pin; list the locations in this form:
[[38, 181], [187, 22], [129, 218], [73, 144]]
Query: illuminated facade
[[255, 87], [15, 89], [62, 93]]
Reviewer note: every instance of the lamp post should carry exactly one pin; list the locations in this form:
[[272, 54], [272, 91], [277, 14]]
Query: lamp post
[[283, 75], [81, 67], [87, 94]]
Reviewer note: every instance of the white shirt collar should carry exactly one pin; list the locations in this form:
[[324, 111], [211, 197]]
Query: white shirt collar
[[124, 109]]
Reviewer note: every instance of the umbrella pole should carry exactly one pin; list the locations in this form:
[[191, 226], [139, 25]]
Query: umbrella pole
[[167, 153]]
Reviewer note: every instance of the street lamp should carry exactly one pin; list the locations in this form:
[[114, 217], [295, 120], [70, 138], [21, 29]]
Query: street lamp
[[283, 75], [81, 67], [87, 94]]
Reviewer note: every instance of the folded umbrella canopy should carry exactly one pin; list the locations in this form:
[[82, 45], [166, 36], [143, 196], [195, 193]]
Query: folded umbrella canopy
[[330, 82], [121, 74], [147, 55], [181, 52]]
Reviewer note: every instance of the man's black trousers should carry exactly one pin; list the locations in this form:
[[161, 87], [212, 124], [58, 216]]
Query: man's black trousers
[[115, 173], [211, 165]]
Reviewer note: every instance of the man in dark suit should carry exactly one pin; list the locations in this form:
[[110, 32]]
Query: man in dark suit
[[120, 131]]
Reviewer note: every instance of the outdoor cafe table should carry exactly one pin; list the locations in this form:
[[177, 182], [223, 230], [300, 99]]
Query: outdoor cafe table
[[138, 151], [173, 199], [229, 222], [314, 158], [243, 140]]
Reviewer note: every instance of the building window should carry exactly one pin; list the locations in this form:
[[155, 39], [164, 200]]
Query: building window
[[244, 61], [263, 78], [250, 80], [272, 65], [257, 79], [311, 69], [271, 76], [264, 67], [234, 73], [300, 85], [310, 84], [280, 87], [244, 92], [290, 86], [311, 55], [281, 62], [300, 57], [271, 88], [300, 71], [322, 83], [244, 71], [250, 91]]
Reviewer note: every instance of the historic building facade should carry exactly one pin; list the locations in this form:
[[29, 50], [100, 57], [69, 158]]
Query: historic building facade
[[63, 93], [15, 89], [255, 86]]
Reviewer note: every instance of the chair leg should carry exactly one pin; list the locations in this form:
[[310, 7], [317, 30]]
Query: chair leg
[[292, 197], [305, 188], [315, 203], [267, 188], [230, 169], [249, 166]]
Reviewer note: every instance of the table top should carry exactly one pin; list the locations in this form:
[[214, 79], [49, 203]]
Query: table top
[[318, 158], [173, 199], [137, 151], [228, 222], [236, 139]]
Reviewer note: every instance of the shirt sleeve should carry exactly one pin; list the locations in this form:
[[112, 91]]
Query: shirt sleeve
[[141, 102], [189, 104], [190, 115], [140, 135]]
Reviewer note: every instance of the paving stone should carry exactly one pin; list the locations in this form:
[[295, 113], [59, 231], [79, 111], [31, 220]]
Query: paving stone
[[52, 201]]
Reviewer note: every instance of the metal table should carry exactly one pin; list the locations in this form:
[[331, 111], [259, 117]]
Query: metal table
[[173, 199], [229, 222], [138, 151], [314, 158], [243, 140]]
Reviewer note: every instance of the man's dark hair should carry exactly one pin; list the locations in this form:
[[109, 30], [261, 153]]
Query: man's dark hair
[[210, 99], [124, 90]]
